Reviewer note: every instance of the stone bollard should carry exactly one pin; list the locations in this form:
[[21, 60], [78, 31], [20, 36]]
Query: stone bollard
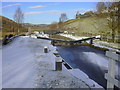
[[45, 49], [91, 41], [58, 64]]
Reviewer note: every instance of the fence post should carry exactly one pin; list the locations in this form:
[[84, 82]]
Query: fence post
[[110, 76], [111, 72]]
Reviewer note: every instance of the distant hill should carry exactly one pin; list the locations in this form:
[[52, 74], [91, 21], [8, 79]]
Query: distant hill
[[32, 25]]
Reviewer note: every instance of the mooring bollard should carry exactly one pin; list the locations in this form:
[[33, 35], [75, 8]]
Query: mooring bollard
[[91, 41], [45, 49], [58, 64]]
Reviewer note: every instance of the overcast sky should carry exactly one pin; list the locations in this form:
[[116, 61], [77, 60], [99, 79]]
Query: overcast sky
[[46, 12]]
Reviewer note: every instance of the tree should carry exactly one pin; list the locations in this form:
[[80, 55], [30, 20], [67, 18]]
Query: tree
[[19, 17], [100, 7], [63, 17], [113, 17], [111, 12]]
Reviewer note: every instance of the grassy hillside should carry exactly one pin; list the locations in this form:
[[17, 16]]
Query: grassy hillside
[[8, 26], [90, 26]]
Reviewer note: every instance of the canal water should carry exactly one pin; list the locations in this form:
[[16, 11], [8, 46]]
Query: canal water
[[91, 61]]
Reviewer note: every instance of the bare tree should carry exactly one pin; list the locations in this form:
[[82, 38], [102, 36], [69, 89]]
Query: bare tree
[[63, 17], [19, 17], [100, 7], [113, 15]]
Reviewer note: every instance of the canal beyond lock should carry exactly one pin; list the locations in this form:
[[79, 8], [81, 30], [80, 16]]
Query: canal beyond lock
[[91, 61]]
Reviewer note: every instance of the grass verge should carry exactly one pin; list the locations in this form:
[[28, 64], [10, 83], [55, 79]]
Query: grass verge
[[60, 37]]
